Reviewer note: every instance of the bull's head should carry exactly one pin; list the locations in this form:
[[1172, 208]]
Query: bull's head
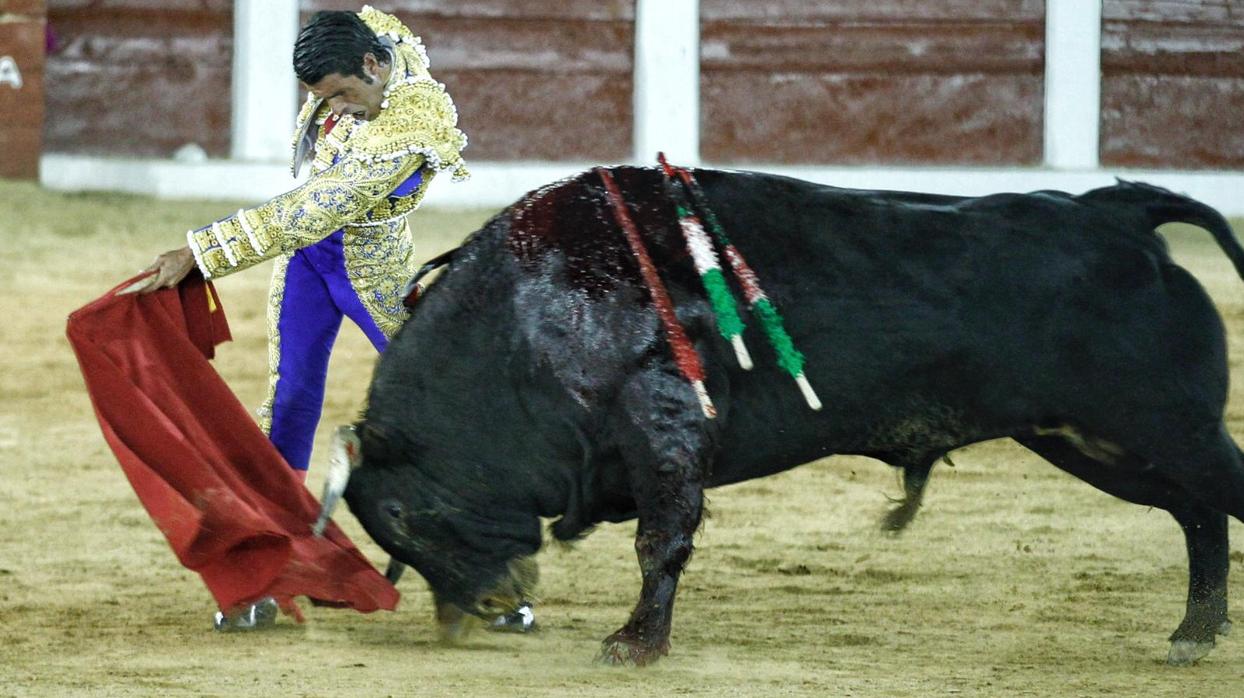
[[478, 561]]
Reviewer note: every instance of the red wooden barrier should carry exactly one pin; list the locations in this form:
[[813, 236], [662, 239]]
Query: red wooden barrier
[[21, 87]]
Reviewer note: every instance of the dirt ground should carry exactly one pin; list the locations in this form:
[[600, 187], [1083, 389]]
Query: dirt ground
[[1015, 580]]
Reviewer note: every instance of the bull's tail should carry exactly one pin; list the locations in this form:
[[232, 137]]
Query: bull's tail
[[1165, 206]]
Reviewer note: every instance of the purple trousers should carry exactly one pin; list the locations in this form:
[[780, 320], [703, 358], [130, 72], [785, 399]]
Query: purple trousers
[[310, 294], [317, 294]]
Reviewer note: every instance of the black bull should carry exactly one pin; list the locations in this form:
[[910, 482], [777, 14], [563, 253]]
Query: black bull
[[533, 379]]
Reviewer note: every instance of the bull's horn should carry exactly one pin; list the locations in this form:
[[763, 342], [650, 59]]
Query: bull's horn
[[394, 571], [346, 454]]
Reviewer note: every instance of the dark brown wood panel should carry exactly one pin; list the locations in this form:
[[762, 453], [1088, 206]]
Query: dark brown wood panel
[[1196, 11], [1173, 84], [876, 81], [139, 77], [801, 12], [541, 10], [23, 9], [21, 92], [869, 119], [541, 79], [516, 115]]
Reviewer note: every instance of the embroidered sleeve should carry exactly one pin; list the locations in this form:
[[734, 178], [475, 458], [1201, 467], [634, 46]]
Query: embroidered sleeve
[[341, 195]]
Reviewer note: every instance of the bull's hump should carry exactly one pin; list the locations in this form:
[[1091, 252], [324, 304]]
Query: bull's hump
[[568, 229]]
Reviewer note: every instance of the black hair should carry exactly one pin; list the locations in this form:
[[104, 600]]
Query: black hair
[[335, 42]]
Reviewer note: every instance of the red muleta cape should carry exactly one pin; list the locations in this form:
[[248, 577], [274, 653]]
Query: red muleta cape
[[221, 493]]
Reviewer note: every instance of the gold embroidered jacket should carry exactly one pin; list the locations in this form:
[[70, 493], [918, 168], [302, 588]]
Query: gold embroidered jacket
[[357, 166]]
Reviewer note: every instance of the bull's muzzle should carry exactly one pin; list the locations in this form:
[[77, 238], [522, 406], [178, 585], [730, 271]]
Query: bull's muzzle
[[453, 624], [518, 585], [346, 454]]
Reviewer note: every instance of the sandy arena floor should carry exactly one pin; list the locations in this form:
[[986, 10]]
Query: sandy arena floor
[[1016, 580]]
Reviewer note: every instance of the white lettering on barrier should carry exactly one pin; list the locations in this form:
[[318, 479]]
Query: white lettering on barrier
[[9, 74]]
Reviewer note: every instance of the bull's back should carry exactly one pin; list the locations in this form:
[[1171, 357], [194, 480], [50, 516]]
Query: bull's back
[[931, 322]]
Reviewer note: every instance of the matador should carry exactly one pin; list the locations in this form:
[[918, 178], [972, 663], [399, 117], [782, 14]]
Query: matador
[[376, 128]]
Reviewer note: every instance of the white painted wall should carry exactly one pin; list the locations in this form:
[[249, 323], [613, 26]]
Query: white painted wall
[[494, 185]]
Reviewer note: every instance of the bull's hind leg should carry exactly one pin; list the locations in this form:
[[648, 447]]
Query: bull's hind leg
[[1205, 534], [665, 446]]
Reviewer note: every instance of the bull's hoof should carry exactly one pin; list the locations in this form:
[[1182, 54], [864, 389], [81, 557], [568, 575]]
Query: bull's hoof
[[620, 650], [1188, 652]]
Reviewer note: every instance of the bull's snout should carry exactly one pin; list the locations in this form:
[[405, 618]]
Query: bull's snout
[[455, 622], [452, 623]]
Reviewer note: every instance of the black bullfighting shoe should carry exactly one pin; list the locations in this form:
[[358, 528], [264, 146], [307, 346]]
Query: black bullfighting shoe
[[259, 615], [522, 620]]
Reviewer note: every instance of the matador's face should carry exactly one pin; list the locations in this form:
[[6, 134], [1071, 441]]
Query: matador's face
[[350, 94]]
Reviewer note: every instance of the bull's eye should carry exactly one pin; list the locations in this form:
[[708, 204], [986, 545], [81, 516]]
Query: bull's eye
[[392, 508]]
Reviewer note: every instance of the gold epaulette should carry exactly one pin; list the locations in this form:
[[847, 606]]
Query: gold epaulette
[[386, 25], [419, 117]]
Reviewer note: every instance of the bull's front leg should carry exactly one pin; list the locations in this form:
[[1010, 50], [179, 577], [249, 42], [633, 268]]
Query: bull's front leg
[[663, 545], [666, 456]]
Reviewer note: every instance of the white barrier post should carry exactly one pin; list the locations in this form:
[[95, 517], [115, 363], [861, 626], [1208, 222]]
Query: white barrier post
[[1072, 83], [265, 91], [667, 80]]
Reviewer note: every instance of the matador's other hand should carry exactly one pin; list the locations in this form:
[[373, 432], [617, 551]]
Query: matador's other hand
[[170, 268]]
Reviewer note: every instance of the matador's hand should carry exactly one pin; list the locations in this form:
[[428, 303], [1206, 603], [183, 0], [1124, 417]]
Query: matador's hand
[[170, 268]]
